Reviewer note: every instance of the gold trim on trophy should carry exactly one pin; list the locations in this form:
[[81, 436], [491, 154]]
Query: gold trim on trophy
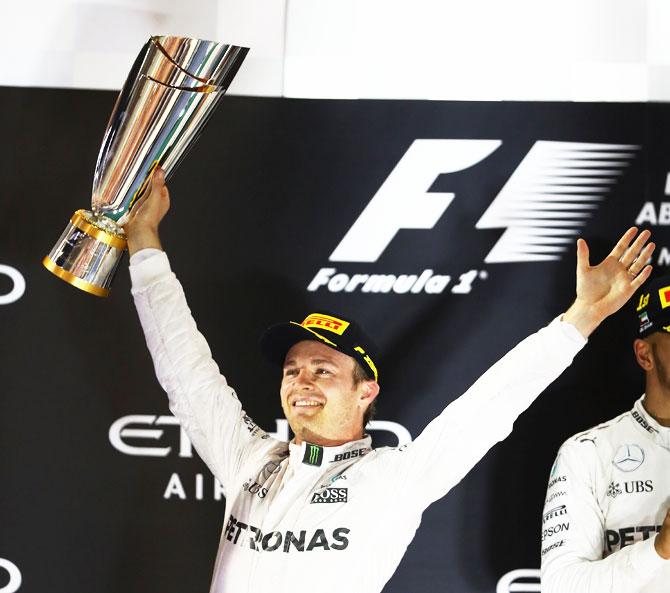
[[72, 279], [83, 224]]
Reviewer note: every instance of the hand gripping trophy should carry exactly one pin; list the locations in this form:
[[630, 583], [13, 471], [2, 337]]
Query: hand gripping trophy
[[169, 95]]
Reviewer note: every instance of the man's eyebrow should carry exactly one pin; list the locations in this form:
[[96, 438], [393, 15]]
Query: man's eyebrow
[[322, 360], [291, 362]]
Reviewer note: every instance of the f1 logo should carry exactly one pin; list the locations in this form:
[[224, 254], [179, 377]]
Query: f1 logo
[[548, 198]]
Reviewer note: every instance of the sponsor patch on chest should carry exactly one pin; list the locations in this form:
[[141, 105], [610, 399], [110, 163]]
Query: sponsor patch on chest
[[330, 495]]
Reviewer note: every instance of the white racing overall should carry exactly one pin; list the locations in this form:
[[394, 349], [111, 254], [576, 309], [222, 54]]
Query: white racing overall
[[608, 493], [343, 516]]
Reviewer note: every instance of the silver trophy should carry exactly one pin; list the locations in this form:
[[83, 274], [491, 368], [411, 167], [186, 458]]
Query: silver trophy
[[169, 95]]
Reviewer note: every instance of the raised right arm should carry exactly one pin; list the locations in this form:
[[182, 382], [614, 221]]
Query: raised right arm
[[199, 395]]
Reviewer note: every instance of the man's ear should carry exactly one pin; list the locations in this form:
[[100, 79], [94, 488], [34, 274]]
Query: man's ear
[[369, 391], [643, 354]]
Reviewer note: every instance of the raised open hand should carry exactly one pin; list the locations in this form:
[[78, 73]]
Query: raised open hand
[[603, 289]]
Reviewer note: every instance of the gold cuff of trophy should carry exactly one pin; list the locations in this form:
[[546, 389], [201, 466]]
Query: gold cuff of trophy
[[85, 224], [72, 279], [88, 253]]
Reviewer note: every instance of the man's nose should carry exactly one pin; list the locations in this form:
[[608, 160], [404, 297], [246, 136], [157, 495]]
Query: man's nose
[[303, 378]]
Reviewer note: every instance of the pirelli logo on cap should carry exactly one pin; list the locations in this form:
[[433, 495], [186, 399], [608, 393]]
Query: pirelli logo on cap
[[664, 296], [327, 322]]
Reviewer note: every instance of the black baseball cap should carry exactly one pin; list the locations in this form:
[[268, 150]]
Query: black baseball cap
[[652, 307], [335, 331]]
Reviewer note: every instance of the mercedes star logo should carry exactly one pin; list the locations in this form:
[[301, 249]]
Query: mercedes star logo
[[628, 457]]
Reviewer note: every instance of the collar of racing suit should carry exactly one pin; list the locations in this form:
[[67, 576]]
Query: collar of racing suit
[[308, 455], [656, 432]]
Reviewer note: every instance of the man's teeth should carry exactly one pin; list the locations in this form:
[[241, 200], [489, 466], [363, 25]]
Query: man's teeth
[[304, 404]]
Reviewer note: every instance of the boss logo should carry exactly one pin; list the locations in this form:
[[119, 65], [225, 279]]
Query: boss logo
[[14, 576], [330, 495], [18, 285]]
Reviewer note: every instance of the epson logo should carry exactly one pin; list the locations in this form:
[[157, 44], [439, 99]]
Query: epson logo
[[18, 285], [330, 495], [14, 574], [542, 207], [555, 529]]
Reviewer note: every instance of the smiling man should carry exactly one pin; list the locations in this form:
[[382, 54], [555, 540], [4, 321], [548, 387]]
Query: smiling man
[[329, 382], [311, 511]]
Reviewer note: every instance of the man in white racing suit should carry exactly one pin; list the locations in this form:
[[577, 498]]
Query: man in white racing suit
[[606, 521], [310, 511]]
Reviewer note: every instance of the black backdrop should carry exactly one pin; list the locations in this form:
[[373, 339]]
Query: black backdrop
[[258, 207]]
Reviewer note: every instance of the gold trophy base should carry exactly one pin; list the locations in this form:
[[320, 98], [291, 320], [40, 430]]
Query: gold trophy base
[[88, 253]]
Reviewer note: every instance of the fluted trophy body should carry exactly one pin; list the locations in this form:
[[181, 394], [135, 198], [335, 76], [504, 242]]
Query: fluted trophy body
[[171, 91]]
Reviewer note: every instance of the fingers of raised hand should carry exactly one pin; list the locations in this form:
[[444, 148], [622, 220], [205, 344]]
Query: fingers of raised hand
[[641, 260], [155, 190], [633, 253], [623, 243]]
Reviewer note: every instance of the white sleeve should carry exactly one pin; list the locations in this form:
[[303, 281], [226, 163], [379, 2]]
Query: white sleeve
[[207, 407], [462, 434], [573, 532]]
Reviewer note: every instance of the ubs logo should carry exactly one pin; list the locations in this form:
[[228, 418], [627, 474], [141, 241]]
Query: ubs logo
[[17, 290], [14, 576]]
